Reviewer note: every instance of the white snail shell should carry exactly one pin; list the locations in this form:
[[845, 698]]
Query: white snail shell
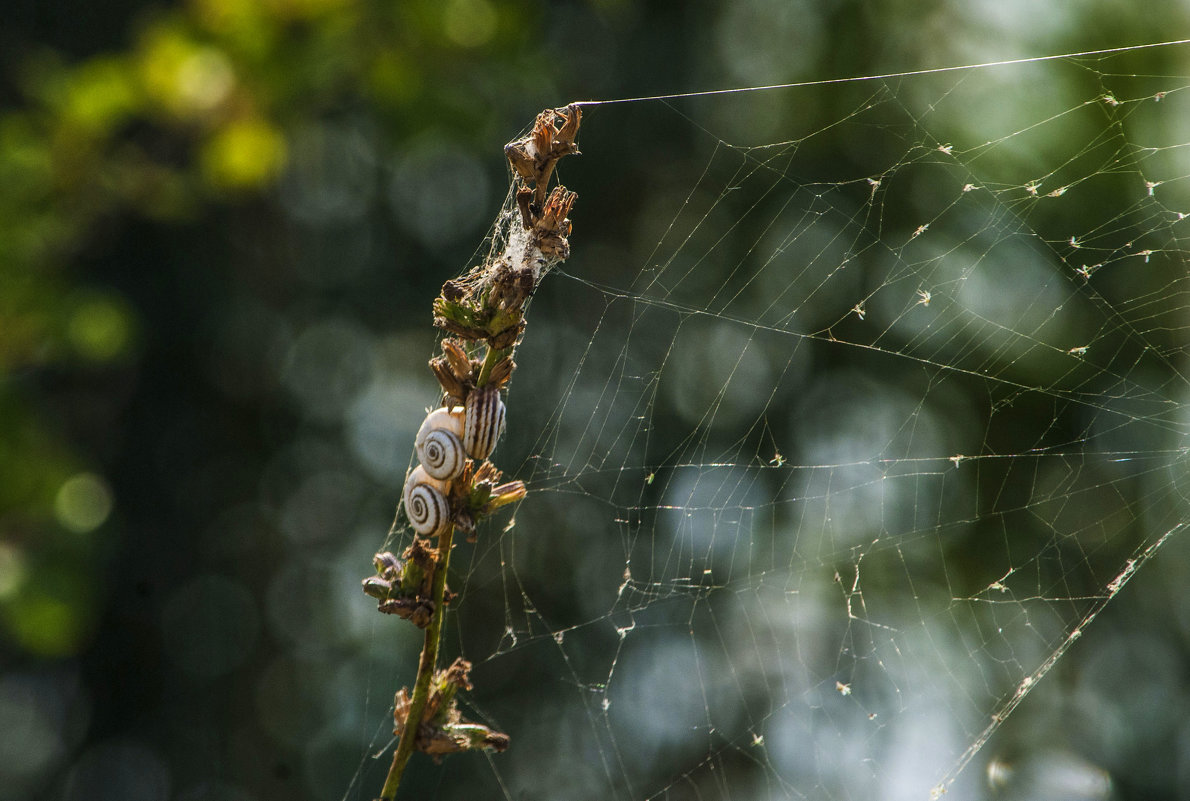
[[439, 444], [484, 422], [426, 505]]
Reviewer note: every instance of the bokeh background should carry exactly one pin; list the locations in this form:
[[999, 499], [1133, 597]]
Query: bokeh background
[[221, 225]]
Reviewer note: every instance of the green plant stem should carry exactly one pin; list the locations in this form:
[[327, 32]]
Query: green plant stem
[[425, 672], [489, 361]]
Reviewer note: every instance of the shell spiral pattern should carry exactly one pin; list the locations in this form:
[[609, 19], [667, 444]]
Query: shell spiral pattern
[[426, 505], [438, 444], [484, 422]]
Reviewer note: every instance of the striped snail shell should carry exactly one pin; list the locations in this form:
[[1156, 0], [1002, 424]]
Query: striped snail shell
[[439, 445], [484, 422], [426, 505]]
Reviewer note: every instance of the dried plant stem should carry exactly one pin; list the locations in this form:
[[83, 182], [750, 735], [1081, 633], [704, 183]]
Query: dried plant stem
[[425, 672], [455, 486]]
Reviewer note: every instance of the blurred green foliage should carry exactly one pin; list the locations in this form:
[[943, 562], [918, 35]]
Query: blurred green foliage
[[198, 109], [171, 235]]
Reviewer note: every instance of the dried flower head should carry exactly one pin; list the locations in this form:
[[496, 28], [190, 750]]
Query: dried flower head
[[534, 156], [404, 587], [442, 729]]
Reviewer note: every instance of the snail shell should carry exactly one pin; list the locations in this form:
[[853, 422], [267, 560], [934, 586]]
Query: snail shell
[[483, 422], [426, 505], [438, 444]]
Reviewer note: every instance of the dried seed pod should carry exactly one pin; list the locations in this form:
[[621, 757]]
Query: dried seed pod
[[439, 445], [426, 505], [484, 421]]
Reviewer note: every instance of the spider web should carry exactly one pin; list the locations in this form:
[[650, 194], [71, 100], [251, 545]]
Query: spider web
[[839, 434]]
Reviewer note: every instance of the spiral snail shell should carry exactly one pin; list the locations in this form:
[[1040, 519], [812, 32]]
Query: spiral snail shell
[[426, 505], [439, 445], [483, 422]]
